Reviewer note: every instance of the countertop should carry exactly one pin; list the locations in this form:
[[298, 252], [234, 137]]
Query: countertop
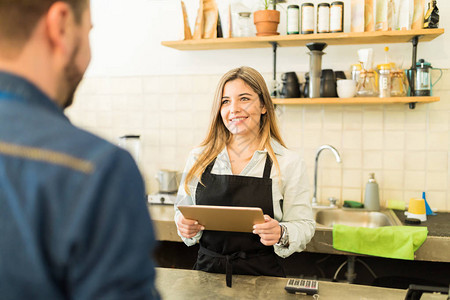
[[435, 248], [190, 284]]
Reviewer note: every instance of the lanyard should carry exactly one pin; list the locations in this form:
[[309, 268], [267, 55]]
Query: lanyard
[[9, 96]]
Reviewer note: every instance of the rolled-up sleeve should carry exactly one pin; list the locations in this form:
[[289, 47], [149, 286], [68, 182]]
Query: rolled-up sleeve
[[183, 198], [296, 210]]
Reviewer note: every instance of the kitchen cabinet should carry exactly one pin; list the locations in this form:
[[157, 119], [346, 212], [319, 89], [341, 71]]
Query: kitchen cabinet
[[341, 38]]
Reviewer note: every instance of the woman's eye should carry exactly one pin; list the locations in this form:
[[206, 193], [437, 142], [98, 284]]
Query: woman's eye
[[225, 101], [245, 99]]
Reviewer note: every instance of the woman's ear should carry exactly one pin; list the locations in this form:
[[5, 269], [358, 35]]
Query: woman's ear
[[264, 110]]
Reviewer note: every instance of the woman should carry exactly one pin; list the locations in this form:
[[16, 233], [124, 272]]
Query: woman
[[234, 163]]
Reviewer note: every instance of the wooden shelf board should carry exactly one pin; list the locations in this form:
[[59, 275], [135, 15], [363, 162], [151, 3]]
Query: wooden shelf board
[[341, 38], [356, 100]]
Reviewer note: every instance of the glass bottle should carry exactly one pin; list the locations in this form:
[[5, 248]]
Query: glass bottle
[[244, 24]]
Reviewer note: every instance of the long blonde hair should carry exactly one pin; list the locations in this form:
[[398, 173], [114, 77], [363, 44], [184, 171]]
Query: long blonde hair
[[219, 136]]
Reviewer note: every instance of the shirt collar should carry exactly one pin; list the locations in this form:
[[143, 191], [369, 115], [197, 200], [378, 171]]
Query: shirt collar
[[278, 149], [20, 89]]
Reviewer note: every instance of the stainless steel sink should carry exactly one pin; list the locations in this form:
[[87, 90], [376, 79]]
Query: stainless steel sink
[[355, 217]]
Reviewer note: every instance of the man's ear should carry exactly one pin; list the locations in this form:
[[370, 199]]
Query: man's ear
[[59, 22]]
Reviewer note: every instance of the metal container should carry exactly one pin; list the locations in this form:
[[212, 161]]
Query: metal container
[[168, 182]]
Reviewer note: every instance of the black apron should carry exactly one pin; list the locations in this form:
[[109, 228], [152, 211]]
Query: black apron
[[236, 252]]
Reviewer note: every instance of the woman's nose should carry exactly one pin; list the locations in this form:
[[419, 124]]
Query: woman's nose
[[235, 106]]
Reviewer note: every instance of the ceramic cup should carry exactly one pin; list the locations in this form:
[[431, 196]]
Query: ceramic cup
[[346, 88]]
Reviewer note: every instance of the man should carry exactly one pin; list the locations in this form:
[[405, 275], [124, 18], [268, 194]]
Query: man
[[73, 218]]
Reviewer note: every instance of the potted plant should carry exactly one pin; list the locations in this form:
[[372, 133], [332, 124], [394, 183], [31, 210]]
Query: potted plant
[[267, 20]]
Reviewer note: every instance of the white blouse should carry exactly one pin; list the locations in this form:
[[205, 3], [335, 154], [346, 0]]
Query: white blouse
[[291, 200]]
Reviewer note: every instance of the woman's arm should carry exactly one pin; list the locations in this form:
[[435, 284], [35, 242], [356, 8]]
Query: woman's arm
[[189, 232], [297, 212]]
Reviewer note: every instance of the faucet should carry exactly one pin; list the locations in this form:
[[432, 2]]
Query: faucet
[[338, 160]]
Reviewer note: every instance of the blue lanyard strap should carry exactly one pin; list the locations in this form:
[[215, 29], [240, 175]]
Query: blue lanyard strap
[[9, 96]]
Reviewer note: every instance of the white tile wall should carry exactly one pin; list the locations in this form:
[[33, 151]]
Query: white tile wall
[[408, 150]]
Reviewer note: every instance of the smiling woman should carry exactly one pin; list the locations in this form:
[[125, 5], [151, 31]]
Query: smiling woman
[[233, 167], [241, 109]]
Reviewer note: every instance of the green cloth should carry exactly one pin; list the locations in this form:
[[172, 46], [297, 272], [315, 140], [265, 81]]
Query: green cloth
[[388, 241]]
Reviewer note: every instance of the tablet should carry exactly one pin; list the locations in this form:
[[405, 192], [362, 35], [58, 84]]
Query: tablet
[[224, 218]]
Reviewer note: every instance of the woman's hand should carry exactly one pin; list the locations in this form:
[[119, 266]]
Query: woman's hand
[[188, 228], [269, 231]]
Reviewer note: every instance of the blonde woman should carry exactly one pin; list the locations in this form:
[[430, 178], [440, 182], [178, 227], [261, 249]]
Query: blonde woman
[[234, 163]]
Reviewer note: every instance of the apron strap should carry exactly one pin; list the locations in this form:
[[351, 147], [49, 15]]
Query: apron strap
[[267, 167], [209, 167], [231, 258], [229, 261]]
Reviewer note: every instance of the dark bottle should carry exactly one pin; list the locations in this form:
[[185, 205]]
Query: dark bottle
[[431, 19]]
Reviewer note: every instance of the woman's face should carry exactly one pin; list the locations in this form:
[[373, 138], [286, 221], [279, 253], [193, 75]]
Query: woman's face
[[241, 109]]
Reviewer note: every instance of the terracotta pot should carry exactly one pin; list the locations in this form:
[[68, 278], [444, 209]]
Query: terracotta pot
[[266, 22]]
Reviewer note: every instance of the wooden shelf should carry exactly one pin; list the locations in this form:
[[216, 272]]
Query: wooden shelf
[[356, 100], [342, 38]]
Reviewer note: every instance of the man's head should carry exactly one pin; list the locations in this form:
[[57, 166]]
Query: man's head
[[49, 37]]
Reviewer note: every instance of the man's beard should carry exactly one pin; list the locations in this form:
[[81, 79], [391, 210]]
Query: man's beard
[[72, 77]]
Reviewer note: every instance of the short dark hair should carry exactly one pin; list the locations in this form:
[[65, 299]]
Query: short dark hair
[[18, 18]]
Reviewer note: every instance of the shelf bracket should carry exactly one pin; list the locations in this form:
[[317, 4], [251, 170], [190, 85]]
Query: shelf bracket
[[412, 70], [274, 47]]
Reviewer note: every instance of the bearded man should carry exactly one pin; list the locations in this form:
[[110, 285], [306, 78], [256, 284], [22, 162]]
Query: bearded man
[[73, 217]]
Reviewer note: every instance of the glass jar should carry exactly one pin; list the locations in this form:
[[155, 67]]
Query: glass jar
[[384, 80], [399, 86], [244, 24], [367, 85]]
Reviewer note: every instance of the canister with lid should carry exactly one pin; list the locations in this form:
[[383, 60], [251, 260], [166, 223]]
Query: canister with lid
[[337, 16], [307, 18], [323, 18], [293, 17]]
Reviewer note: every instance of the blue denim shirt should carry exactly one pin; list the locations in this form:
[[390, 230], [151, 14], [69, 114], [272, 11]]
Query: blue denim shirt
[[73, 216]]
